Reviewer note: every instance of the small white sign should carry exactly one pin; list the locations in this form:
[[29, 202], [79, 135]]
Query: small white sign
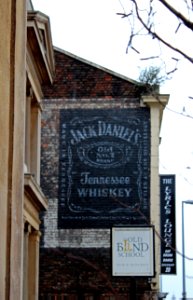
[[133, 251]]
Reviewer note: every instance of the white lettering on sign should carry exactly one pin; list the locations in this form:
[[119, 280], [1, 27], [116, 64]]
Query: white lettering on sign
[[105, 129], [104, 192], [101, 180]]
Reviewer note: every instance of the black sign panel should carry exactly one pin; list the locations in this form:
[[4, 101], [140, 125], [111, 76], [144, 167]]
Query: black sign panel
[[104, 167], [168, 228]]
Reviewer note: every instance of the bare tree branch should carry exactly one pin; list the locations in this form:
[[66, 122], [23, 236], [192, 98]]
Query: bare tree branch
[[158, 37], [181, 17]]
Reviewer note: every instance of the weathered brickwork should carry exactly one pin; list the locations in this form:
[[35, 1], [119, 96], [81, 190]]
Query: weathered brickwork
[[82, 272], [77, 262], [76, 79]]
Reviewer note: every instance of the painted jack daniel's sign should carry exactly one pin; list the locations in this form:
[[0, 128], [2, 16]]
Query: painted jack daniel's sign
[[104, 167]]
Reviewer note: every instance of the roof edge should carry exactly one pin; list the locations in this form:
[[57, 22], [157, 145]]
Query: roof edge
[[98, 66]]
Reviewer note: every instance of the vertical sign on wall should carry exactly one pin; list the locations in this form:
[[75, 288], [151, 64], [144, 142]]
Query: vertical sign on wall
[[104, 167], [168, 234]]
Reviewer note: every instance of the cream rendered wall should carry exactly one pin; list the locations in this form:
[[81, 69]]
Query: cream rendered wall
[[5, 62], [12, 96], [156, 104]]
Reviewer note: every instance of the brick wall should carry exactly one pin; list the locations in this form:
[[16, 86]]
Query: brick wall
[[78, 79], [83, 272], [77, 262]]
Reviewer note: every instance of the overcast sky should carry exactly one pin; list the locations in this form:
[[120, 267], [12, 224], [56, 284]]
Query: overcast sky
[[92, 29]]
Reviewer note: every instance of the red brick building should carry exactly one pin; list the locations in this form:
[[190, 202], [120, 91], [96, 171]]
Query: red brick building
[[99, 168]]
